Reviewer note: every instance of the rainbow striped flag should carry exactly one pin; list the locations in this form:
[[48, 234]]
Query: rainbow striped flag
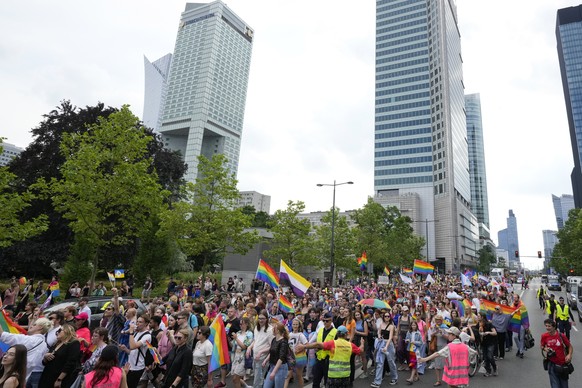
[[488, 307], [217, 338], [267, 274], [22, 281], [422, 267], [285, 305], [462, 307], [407, 271], [154, 353], [10, 326], [386, 271], [298, 283], [363, 261], [519, 319], [54, 288]]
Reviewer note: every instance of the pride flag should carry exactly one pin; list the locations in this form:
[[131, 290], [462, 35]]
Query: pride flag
[[363, 261], [422, 267], [10, 326], [462, 306], [488, 307], [111, 277], [285, 305], [298, 283], [217, 338], [22, 281], [518, 319], [267, 274], [54, 288], [154, 353], [386, 271], [407, 271]]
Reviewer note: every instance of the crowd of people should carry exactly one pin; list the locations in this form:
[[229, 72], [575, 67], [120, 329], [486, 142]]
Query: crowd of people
[[392, 332]]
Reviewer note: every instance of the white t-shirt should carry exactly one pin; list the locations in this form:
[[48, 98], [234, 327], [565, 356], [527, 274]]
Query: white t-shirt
[[137, 360], [296, 338], [262, 342], [201, 353]]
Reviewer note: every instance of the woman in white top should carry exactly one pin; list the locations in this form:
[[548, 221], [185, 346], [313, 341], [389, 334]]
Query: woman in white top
[[201, 359], [260, 347], [297, 337]]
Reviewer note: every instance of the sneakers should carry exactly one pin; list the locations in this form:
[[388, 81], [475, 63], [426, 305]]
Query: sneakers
[[220, 385], [393, 382], [363, 376], [487, 374], [495, 372], [374, 385]]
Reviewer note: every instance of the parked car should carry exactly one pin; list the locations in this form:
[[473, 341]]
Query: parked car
[[554, 283], [96, 304]]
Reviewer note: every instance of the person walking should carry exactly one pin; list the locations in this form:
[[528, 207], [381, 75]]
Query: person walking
[[201, 358], [563, 316], [262, 337], [558, 350], [325, 333], [456, 355], [179, 362], [385, 351], [62, 363], [138, 336], [413, 343], [541, 295], [487, 335], [278, 355], [551, 307], [340, 352], [106, 373]]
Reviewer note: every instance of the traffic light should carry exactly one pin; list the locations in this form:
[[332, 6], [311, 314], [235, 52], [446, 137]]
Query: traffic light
[[539, 254], [517, 254]]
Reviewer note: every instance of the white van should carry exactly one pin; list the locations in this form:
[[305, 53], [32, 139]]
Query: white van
[[572, 290]]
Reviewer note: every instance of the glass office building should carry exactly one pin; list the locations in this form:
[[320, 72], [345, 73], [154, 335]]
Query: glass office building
[[156, 81], [203, 109], [562, 206], [420, 124], [477, 170], [569, 37]]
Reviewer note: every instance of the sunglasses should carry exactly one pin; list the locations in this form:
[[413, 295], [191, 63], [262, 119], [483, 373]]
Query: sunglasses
[[178, 337]]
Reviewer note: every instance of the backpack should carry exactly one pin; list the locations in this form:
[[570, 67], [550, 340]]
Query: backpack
[[148, 358], [529, 340]]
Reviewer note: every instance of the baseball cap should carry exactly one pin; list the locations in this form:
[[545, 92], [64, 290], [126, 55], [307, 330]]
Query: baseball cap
[[327, 316], [84, 316], [342, 329], [454, 331], [404, 308]]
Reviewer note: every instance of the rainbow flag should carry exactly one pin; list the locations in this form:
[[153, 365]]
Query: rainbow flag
[[22, 281], [10, 326], [301, 359], [462, 307], [422, 267], [407, 271], [386, 271], [54, 288], [217, 338], [298, 283], [396, 293], [267, 274], [285, 305], [363, 261], [111, 277], [488, 307], [154, 353], [519, 319]]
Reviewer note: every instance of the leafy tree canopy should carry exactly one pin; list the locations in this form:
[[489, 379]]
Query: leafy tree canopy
[[567, 253], [343, 243]]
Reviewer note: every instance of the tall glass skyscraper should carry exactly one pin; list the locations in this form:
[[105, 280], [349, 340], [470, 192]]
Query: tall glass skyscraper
[[203, 109], [420, 125], [569, 37], [508, 239], [156, 82], [477, 171], [562, 206]]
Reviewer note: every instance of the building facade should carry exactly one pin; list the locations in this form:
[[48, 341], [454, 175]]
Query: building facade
[[9, 152], [477, 170], [156, 82], [261, 202], [569, 37], [508, 240], [420, 125], [562, 206], [550, 241], [203, 109]]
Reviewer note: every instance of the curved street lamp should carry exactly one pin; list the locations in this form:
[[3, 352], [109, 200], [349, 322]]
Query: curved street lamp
[[332, 254]]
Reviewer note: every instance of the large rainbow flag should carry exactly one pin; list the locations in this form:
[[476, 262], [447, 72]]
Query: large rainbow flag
[[298, 283], [267, 274], [462, 306], [10, 326], [422, 267], [217, 338], [488, 307], [285, 305], [519, 319]]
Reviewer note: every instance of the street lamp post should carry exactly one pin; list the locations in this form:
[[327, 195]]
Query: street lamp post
[[426, 221], [332, 248]]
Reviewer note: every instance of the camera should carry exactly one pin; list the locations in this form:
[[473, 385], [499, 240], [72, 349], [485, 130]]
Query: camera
[[550, 353]]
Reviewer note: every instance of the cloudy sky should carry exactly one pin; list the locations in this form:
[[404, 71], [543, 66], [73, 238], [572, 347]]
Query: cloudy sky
[[310, 103]]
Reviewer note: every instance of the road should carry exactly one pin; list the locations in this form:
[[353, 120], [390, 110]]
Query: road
[[513, 371]]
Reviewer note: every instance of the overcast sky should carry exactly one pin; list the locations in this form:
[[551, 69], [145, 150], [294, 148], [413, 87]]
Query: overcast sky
[[310, 105]]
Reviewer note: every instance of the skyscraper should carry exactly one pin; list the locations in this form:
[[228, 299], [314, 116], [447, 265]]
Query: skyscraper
[[562, 206], [477, 171], [156, 81], [508, 240], [204, 106], [550, 240], [569, 37], [9, 152], [420, 125]]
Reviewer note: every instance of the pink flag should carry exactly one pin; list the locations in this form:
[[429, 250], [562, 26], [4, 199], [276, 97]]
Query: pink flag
[[360, 291]]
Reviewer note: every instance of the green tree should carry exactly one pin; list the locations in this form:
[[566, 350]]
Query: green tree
[[291, 239], [108, 191], [79, 264], [386, 236], [207, 225], [12, 205], [567, 253], [486, 258], [344, 243], [259, 219], [155, 253]]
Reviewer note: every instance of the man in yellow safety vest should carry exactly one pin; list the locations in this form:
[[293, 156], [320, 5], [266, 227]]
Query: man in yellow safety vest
[[340, 352], [563, 316]]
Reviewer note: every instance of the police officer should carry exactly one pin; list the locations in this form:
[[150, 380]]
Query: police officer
[[541, 296], [324, 334], [563, 316], [341, 351]]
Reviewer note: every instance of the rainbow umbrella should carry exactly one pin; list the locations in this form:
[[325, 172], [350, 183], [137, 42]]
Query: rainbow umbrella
[[376, 303]]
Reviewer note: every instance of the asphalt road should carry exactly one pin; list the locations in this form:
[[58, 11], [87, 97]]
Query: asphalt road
[[513, 371]]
